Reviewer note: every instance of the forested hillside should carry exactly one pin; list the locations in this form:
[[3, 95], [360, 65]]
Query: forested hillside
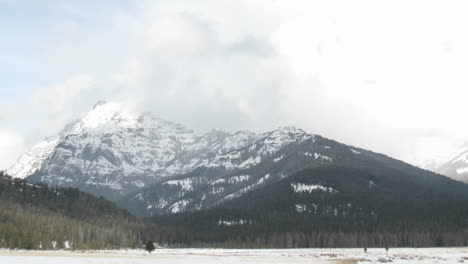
[[34, 216], [329, 206], [333, 207]]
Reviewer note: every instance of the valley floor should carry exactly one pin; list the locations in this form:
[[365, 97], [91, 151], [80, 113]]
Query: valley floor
[[228, 256]]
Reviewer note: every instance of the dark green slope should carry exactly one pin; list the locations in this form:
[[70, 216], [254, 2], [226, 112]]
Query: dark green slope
[[359, 208], [35, 216]]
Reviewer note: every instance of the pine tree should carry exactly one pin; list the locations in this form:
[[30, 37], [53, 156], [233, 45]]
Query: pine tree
[[150, 246]]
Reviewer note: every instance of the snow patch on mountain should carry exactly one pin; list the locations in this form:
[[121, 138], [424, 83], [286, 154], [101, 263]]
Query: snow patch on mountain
[[234, 222], [238, 179], [185, 184], [322, 157], [105, 114], [355, 151], [305, 208], [179, 206], [263, 179], [301, 187], [31, 161], [217, 190], [220, 181], [371, 184], [277, 159]]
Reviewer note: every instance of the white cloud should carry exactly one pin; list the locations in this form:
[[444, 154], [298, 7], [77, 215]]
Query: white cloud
[[376, 74], [371, 73], [59, 98], [47, 110], [177, 35], [183, 66], [11, 146]]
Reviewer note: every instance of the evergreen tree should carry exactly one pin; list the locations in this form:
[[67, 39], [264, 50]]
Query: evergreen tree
[[149, 246]]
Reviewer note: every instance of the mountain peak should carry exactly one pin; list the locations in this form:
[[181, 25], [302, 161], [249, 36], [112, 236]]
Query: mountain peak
[[288, 132], [215, 132], [290, 129], [99, 152], [105, 113], [99, 103]]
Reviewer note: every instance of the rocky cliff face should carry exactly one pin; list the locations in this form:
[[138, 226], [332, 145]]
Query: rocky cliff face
[[111, 151]]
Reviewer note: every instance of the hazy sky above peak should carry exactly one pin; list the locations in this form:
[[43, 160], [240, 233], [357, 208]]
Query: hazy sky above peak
[[390, 76]]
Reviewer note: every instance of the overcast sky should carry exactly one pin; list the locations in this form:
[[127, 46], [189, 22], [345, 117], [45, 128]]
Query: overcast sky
[[390, 76]]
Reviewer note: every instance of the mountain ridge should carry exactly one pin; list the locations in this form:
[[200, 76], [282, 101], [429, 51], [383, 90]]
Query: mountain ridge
[[152, 166], [109, 141], [206, 188]]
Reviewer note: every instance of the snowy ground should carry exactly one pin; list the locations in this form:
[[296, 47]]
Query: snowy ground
[[228, 256]]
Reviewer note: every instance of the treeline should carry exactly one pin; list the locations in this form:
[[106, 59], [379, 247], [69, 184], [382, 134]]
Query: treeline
[[365, 211], [294, 231], [28, 227], [35, 216], [333, 240]]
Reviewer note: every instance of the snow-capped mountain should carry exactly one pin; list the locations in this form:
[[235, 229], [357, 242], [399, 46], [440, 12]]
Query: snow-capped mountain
[[228, 175], [111, 151], [152, 166], [457, 168], [274, 156]]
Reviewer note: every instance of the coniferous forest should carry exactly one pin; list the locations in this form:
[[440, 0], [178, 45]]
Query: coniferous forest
[[34, 216], [366, 212]]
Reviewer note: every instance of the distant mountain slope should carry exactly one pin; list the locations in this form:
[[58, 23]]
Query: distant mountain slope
[[334, 207], [230, 174], [38, 217], [206, 187], [457, 168]]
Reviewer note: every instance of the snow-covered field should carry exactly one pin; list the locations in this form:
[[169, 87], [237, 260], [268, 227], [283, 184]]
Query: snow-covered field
[[227, 256]]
